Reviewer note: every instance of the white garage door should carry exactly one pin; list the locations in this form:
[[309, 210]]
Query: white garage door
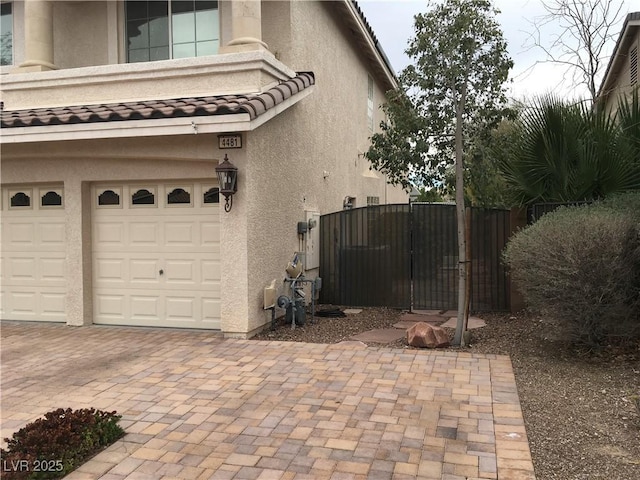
[[32, 269], [156, 255]]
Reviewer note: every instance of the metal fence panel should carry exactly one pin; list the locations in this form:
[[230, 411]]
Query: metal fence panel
[[435, 256], [490, 230], [406, 256], [537, 210], [365, 257]]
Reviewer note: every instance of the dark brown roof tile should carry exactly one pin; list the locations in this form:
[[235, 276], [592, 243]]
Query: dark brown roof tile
[[253, 104]]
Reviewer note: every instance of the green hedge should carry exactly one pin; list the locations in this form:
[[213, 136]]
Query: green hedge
[[57, 444], [580, 266]]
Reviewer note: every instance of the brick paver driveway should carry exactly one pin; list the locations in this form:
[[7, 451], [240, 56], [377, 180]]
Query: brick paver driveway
[[196, 406]]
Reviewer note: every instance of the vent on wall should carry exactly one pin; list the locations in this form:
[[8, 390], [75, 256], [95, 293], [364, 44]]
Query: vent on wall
[[633, 65]]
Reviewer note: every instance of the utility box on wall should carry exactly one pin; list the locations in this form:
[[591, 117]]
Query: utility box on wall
[[312, 244]]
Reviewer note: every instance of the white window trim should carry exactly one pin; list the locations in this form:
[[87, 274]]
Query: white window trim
[[43, 191], [133, 189], [28, 191], [370, 101], [115, 189], [205, 188], [170, 188], [17, 14], [123, 34]]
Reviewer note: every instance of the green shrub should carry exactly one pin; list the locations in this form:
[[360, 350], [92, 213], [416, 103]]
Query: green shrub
[[53, 446], [581, 267]]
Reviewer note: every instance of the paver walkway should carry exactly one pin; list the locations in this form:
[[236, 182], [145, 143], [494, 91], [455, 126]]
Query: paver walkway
[[199, 407]]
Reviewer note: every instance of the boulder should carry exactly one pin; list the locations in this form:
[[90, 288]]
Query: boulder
[[424, 335]]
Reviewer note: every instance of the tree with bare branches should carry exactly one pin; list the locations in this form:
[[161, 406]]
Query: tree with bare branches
[[584, 29]]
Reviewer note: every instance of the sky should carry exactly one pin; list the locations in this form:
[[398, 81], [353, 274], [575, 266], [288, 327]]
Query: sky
[[392, 22]]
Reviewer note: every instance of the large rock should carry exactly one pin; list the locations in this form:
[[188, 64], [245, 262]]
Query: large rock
[[424, 335]]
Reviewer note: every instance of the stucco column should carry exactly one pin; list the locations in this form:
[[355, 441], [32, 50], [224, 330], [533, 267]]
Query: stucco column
[[38, 36], [246, 27], [78, 251], [234, 283]]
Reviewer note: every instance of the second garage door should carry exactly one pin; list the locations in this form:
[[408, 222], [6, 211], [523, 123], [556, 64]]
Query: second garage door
[[156, 254], [33, 281]]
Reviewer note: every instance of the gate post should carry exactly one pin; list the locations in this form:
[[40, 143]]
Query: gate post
[[517, 221]]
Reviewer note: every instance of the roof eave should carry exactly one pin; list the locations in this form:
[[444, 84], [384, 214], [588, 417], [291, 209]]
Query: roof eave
[[189, 125], [372, 44], [631, 24]]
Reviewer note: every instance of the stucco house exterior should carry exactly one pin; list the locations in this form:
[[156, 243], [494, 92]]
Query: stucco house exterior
[[115, 115], [621, 76]]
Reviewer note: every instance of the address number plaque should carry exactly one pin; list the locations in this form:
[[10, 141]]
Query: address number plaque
[[229, 141]]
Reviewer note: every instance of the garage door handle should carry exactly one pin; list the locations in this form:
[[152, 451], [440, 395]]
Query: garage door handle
[[161, 272]]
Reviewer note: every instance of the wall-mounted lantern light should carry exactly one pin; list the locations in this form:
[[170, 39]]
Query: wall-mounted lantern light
[[348, 202], [228, 180]]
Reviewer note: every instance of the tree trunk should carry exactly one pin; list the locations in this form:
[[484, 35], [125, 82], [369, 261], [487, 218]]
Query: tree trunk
[[458, 339], [467, 304]]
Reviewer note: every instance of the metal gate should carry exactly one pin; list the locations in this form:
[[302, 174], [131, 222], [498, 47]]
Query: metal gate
[[365, 256], [406, 256]]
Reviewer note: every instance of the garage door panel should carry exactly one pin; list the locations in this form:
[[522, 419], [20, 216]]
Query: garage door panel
[[180, 272], [52, 269], [22, 302], [210, 272], [52, 234], [110, 233], [179, 234], [145, 271], [210, 234], [53, 305], [109, 270], [35, 271], [22, 268], [181, 309], [181, 240], [145, 234], [145, 307], [211, 311], [20, 235], [110, 307]]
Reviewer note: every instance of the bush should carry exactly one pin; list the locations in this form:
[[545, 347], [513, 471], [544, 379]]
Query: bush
[[581, 267], [59, 443]]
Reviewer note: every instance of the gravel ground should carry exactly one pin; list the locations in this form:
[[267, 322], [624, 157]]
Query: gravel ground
[[581, 414]]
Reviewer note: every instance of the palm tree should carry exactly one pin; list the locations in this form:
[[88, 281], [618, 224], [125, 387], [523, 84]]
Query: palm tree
[[567, 153]]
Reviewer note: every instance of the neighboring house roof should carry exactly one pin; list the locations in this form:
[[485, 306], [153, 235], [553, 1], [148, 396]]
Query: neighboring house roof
[[630, 28], [253, 104]]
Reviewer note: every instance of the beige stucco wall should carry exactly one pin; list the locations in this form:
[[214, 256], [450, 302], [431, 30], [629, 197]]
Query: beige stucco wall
[[90, 57], [622, 84], [343, 133], [238, 73], [276, 29], [326, 132], [307, 158], [80, 34]]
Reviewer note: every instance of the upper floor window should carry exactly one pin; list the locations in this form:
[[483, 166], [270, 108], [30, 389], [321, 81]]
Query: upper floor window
[[6, 34], [160, 30], [370, 102]]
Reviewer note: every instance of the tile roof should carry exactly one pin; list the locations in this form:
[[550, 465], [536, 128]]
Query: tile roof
[[253, 104]]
